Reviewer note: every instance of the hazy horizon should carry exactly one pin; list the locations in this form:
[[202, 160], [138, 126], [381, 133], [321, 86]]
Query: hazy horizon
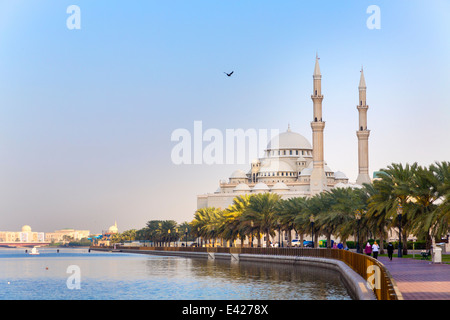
[[86, 116]]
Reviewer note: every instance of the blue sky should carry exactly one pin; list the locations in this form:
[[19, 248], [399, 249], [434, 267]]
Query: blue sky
[[86, 115]]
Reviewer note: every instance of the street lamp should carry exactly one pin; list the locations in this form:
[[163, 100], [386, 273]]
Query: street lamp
[[252, 224], [160, 233], [279, 232], [399, 215], [176, 237], [198, 237], [312, 220], [185, 233], [358, 219], [168, 231]]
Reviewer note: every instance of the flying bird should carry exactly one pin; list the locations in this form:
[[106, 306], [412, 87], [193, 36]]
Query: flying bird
[[229, 74]]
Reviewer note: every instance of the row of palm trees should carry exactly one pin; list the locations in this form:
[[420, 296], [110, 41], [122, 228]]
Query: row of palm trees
[[411, 196], [157, 232]]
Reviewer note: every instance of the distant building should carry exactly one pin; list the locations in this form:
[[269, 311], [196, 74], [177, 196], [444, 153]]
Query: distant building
[[105, 239], [66, 235], [23, 236]]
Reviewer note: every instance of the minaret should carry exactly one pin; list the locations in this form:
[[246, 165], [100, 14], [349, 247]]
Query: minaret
[[363, 135], [318, 180]]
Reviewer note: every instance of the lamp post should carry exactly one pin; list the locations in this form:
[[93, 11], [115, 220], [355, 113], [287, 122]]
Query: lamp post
[[160, 233], [279, 232], [312, 220], [198, 237], [185, 234], [176, 237], [358, 219], [168, 231], [399, 215], [252, 224]]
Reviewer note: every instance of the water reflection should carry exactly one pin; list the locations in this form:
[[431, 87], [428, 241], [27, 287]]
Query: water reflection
[[133, 276], [251, 280]]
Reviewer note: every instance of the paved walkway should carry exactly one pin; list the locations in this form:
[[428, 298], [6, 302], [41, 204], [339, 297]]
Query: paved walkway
[[419, 279]]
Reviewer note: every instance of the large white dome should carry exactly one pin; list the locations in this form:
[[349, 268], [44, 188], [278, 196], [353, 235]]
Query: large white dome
[[276, 165], [289, 140]]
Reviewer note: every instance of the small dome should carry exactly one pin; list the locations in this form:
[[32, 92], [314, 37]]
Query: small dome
[[280, 186], [342, 185], [327, 169], [261, 186], [339, 175], [306, 172], [113, 229], [242, 187], [26, 228], [238, 174]]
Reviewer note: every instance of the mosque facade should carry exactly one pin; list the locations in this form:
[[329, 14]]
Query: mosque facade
[[291, 165]]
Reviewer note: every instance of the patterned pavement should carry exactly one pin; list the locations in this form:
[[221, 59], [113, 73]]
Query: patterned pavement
[[419, 279]]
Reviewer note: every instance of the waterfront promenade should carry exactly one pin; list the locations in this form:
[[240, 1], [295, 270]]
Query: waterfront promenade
[[419, 279]]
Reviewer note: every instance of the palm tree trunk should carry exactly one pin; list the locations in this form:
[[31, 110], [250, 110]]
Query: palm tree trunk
[[382, 242], [289, 238], [405, 243]]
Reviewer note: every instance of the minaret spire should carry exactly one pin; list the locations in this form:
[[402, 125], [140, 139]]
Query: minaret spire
[[318, 180], [363, 134]]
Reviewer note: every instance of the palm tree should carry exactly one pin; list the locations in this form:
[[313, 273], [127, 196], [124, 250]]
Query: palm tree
[[441, 216], [338, 215], [395, 186], [287, 213], [376, 214], [205, 223], [314, 206], [261, 210], [424, 194], [232, 226]]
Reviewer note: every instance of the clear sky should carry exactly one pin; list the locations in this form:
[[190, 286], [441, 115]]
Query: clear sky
[[86, 116]]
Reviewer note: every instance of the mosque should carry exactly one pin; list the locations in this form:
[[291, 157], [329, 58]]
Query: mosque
[[292, 166]]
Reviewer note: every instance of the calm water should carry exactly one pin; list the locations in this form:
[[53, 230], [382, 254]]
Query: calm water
[[131, 276]]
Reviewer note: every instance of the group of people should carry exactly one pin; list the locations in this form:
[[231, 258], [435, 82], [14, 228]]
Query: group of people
[[369, 249], [375, 248]]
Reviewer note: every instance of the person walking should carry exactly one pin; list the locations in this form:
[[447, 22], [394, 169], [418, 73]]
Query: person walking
[[375, 249], [390, 250], [368, 249]]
